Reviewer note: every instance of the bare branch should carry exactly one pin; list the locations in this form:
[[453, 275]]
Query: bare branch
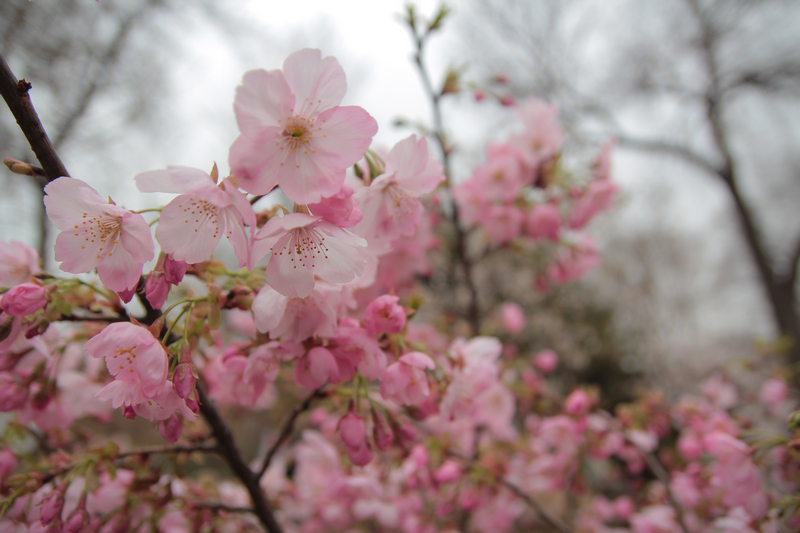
[[663, 147], [15, 93], [288, 428]]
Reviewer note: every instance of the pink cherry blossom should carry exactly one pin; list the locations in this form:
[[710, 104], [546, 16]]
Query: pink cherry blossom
[[134, 357], [97, 234], [17, 263], [340, 209], [405, 381], [304, 247], [773, 393], [294, 134], [543, 222], [24, 299], [543, 135], [598, 196], [577, 403], [546, 361], [391, 203], [384, 315], [293, 318], [317, 368], [512, 317], [192, 224]]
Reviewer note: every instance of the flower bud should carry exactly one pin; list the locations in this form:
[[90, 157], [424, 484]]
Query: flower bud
[[24, 299], [185, 376], [51, 507], [449, 471], [578, 403], [174, 270], [171, 428], [512, 317], [352, 430], [12, 395], [77, 521], [8, 462], [128, 412], [156, 289], [384, 315], [546, 361], [381, 431]]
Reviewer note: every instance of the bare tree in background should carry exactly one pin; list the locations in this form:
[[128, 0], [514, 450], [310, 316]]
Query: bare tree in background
[[105, 63], [714, 84]]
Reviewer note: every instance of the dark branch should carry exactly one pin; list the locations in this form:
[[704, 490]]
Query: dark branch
[[15, 93], [288, 428], [551, 520], [230, 452], [667, 148]]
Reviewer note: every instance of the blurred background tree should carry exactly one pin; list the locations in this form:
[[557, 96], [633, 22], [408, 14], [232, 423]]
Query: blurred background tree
[[702, 99], [101, 73]]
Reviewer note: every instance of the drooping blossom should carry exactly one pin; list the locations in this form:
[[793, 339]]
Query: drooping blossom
[[340, 209], [191, 225], [512, 317], [294, 134], [18, 263], [295, 319], [353, 432], [303, 247], [391, 204], [384, 315], [543, 135], [167, 272], [135, 358], [97, 234], [405, 381], [24, 299]]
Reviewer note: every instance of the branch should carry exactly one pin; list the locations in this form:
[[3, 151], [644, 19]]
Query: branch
[[170, 449], [473, 310], [663, 147], [663, 476], [216, 506], [551, 520], [288, 428], [15, 93], [230, 452]]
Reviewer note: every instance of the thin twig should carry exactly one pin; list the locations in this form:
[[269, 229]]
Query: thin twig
[[473, 310], [218, 506], [15, 93], [536, 506], [230, 452], [288, 428]]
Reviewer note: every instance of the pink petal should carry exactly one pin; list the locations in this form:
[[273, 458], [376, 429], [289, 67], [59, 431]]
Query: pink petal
[[175, 179], [68, 199], [254, 158], [117, 269], [268, 308], [261, 100], [418, 360], [188, 233], [347, 132], [317, 83]]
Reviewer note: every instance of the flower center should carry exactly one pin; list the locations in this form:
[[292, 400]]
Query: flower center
[[303, 247], [297, 131]]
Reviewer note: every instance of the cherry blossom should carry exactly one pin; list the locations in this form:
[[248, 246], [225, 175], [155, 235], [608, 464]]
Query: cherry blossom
[[390, 204], [192, 224], [17, 263], [294, 134], [97, 234], [304, 247]]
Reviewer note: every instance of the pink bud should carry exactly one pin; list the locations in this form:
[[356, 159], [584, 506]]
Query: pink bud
[[546, 361], [185, 375], [352, 430], [156, 289], [339, 209], [512, 317], [12, 395], [51, 507], [479, 95], [174, 270], [171, 428], [361, 455], [508, 101], [690, 446], [449, 471], [381, 431], [77, 521], [192, 404], [384, 315], [8, 462], [24, 299], [578, 403], [128, 412], [501, 78]]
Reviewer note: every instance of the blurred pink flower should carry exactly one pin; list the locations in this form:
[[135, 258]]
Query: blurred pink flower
[[294, 134], [97, 234]]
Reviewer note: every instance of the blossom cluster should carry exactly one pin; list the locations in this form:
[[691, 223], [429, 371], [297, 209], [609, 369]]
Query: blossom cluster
[[418, 430]]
